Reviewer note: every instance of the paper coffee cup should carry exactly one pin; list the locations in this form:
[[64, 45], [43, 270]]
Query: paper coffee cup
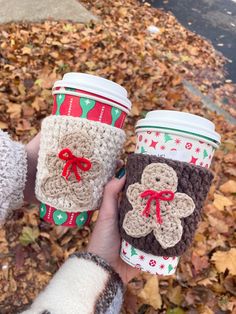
[[93, 98], [175, 135]]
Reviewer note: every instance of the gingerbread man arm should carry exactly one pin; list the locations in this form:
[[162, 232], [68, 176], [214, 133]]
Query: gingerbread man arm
[[136, 225], [182, 205], [133, 194], [54, 164], [95, 171]]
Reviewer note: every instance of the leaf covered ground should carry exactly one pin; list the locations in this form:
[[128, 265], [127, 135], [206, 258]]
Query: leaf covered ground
[[152, 68]]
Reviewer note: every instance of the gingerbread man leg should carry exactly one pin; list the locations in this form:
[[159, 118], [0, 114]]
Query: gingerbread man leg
[[169, 232]]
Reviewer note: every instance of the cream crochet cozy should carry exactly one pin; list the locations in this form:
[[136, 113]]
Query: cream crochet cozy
[[13, 169], [61, 182]]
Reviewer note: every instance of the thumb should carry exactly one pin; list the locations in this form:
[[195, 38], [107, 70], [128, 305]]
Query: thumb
[[111, 193]]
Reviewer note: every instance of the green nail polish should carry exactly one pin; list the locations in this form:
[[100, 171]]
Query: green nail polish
[[120, 173]]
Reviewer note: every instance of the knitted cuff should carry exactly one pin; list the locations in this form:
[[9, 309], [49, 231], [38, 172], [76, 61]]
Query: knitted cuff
[[13, 169], [162, 203], [77, 158], [84, 284]]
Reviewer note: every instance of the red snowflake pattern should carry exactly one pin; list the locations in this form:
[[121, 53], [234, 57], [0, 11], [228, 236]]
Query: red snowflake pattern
[[141, 257], [197, 150], [157, 133], [162, 266], [145, 141], [162, 147], [177, 141]]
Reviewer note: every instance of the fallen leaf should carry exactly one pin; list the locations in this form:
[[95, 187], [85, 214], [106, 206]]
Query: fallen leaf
[[228, 187], [225, 260], [3, 125], [175, 295], [199, 262], [219, 225], [151, 294], [221, 201], [29, 235], [230, 284], [176, 310], [14, 110]]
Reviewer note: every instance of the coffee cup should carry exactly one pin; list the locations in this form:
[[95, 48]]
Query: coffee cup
[[80, 144], [178, 136]]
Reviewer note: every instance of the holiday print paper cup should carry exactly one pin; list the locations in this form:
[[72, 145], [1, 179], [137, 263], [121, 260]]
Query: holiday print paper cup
[[178, 136], [92, 98], [95, 99], [158, 265], [61, 218]]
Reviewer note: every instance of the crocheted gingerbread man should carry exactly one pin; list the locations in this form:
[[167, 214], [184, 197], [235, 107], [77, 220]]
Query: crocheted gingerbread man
[[157, 207], [72, 170]]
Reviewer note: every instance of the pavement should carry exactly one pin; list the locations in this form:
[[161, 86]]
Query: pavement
[[212, 19], [38, 10]]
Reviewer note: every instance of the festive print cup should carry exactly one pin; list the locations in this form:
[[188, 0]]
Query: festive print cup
[[178, 136], [80, 97], [91, 97]]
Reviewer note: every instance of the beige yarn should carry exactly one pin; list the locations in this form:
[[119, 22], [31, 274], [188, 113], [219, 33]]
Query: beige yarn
[[100, 143], [157, 177]]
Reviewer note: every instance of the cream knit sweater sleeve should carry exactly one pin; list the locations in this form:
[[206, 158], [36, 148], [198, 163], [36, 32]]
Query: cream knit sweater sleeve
[[85, 284], [13, 169]]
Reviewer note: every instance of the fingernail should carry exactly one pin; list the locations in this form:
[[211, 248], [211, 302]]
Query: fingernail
[[120, 173]]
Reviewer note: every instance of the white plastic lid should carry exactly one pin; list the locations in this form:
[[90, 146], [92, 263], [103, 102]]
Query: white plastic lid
[[97, 85], [181, 122]]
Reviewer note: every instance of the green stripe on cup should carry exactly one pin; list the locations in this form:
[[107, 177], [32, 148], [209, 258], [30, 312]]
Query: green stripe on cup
[[176, 130]]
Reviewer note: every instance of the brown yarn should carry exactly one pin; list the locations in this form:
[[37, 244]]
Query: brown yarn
[[193, 180]]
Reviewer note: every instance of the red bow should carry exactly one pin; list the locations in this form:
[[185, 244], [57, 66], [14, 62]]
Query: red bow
[[165, 195], [72, 162]]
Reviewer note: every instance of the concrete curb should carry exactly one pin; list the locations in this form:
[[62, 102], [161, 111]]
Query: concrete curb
[[36, 11], [208, 103]]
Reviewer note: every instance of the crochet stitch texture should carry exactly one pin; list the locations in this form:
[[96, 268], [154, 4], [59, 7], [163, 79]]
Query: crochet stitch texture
[[193, 181], [158, 180], [100, 143], [13, 161]]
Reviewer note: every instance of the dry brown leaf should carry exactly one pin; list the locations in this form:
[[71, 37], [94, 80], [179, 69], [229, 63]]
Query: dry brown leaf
[[220, 201], [219, 225], [228, 187], [175, 295], [3, 125], [14, 110], [225, 260], [151, 294]]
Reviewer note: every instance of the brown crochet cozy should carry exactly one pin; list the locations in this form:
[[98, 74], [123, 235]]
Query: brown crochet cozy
[[190, 184]]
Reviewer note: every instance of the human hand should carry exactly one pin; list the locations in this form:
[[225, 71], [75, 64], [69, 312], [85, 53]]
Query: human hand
[[105, 240], [32, 149]]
